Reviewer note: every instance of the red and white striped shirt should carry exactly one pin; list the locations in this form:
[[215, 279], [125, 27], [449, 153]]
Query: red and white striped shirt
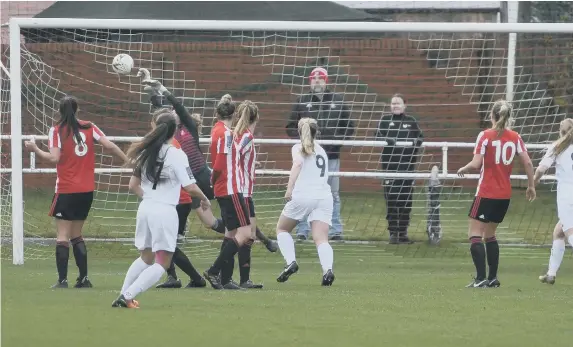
[[184, 197], [498, 153], [227, 177], [76, 167], [248, 153]]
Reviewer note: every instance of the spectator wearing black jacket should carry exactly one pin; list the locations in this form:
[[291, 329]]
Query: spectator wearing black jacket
[[398, 192], [334, 123]]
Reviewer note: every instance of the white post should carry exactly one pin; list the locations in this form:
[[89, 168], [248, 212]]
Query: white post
[[16, 144], [512, 15]]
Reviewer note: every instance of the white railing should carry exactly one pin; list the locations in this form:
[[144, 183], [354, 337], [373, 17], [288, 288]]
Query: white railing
[[16, 24], [443, 145]]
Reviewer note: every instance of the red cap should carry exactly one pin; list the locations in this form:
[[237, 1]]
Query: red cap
[[320, 73]]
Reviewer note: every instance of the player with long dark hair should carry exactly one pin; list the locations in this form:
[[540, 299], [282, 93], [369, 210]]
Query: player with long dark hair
[[71, 148], [187, 134], [494, 152], [160, 170], [309, 198], [560, 154]]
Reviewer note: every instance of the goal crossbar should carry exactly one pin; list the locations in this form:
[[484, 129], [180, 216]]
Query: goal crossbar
[[16, 24]]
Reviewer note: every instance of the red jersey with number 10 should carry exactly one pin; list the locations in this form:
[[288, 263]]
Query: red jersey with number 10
[[184, 197], [227, 177], [498, 154], [246, 146], [76, 168]]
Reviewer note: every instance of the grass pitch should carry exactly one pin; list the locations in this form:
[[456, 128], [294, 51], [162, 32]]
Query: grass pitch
[[382, 296]]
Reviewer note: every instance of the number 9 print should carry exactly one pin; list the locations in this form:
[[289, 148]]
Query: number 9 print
[[321, 164]]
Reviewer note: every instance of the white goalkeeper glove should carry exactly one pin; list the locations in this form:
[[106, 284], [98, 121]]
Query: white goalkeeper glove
[[151, 85]]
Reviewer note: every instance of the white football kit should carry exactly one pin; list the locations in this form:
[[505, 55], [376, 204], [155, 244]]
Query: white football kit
[[157, 222], [564, 175], [311, 196]]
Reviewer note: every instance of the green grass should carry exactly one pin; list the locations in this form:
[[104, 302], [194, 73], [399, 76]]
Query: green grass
[[404, 296], [363, 214]]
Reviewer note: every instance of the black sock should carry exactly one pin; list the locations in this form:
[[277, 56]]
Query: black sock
[[62, 256], [244, 256], [227, 270], [492, 248], [219, 226], [261, 237], [171, 270], [478, 255], [228, 251], [81, 255], [183, 262]]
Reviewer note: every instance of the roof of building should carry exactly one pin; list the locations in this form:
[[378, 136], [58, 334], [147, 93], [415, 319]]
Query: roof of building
[[206, 10]]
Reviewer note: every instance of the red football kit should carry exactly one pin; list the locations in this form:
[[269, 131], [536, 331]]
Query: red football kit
[[76, 168], [246, 146], [227, 177], [498, 154]]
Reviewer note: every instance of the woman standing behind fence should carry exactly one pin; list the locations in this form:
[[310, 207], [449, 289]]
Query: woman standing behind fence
[[71, 148]]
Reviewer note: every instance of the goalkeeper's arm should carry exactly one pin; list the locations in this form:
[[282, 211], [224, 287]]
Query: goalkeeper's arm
[[184, 116]]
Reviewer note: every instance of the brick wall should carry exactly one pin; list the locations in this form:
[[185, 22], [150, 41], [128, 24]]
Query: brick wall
[[9, 9], [387, 66]]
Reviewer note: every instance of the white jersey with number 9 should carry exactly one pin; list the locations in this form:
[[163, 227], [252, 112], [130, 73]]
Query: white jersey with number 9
[[312, 182]]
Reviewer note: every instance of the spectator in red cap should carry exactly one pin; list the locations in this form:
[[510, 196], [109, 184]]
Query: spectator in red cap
[[334, 123]]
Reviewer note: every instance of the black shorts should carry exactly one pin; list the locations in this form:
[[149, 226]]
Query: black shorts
[[71, 206], [203, 178], [234, 211], [183, 211], [250, 206], [489, 210]]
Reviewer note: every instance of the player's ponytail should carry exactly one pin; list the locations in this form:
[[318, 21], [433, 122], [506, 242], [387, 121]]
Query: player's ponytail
[[68, 120], [225, 107], [248, 113], [144, 155], [566, 139], [307, 128], [501, 113]]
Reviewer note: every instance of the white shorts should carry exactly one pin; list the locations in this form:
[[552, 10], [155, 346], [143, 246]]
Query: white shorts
[[156, 227], [565, 210], [315, 209]]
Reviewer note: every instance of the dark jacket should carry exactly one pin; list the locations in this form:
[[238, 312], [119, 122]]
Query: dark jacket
[[331, 114], [393, 128]]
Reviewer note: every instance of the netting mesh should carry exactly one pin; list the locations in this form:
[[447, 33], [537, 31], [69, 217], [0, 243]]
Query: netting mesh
[[449, 80]]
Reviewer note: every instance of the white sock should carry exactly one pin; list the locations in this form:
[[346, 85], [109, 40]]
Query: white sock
[[133, 272], [556, 257], [326, 256], [146, 280], [286, 245]]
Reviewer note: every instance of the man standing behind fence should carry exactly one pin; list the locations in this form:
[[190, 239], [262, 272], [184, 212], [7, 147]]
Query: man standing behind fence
[[402, 159], [334, 123]]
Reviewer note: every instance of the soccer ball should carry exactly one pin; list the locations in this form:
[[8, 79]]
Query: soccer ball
[[122, 64]]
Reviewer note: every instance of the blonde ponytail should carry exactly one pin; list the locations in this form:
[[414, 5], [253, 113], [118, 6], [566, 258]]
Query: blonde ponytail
[[248, 113], [566, 138], [307, 130], [502, 115]]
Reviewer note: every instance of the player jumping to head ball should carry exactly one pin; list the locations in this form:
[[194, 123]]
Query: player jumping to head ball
[[308, 196], [71, 148], [160, 171], [494, 152], [560, 154]]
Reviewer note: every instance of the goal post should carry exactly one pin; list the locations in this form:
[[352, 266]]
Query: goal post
[[286, 50]]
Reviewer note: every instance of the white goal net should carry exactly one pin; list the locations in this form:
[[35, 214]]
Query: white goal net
[[449, 82]]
